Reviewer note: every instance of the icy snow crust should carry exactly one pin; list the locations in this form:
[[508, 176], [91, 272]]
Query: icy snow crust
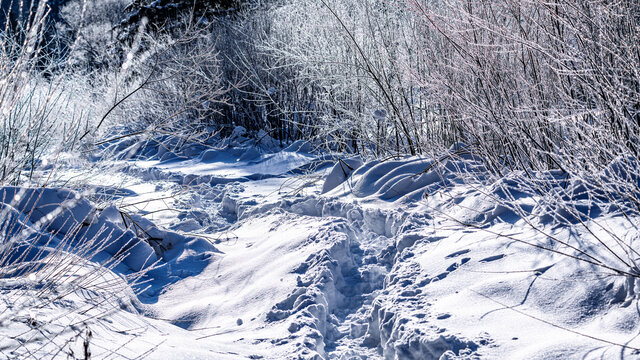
[[295, 255]]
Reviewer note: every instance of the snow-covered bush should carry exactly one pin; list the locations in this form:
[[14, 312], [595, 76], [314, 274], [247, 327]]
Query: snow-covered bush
[[166, 85], [86, 26], [526, 85], [534, 85], [37, 99], [342, 72]]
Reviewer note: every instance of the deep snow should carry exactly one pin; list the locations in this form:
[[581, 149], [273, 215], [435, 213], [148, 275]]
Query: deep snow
[[243, 252]]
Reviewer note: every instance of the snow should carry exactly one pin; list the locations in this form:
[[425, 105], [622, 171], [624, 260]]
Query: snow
[[340, 173], [239, 252]]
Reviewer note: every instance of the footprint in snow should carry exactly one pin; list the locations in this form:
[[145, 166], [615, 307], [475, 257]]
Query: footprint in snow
[[440, 276], [457, 253], [493, 258], [456, 265], [450, 269]]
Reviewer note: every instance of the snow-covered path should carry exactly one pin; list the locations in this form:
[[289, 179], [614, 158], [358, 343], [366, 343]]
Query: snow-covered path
[[260, 262]]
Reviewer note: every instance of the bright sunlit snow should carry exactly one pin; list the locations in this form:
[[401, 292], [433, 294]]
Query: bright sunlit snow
[[319, 180], [380, 263]]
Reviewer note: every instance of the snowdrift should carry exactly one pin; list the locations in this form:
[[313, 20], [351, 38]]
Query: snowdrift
[[37, 222], [60, 254], [413, 258]]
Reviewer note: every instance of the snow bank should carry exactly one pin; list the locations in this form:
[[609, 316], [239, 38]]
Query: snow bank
[[45, 220], [413, 258], [67, 221]]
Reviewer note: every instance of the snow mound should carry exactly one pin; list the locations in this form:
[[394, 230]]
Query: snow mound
[[58, 219], [300, 146], [340, 173], [407, 180], [42, 221]]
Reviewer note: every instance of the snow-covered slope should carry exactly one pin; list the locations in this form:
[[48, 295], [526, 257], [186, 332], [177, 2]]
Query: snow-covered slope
[[293, 255]]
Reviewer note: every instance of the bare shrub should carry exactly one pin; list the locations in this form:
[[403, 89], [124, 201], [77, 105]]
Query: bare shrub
[[37, 94], [167, 85]]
